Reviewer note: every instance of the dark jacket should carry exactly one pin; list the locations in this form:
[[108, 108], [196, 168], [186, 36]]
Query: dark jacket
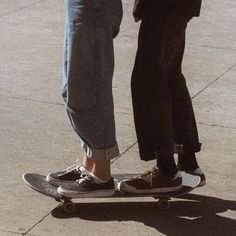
[[185, 8]]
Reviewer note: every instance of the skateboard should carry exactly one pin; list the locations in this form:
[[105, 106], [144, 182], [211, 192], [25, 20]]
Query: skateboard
[[38, 183]]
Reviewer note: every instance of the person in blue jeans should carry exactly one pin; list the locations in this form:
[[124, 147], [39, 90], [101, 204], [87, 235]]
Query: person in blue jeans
[[90, 27], [163, 111]]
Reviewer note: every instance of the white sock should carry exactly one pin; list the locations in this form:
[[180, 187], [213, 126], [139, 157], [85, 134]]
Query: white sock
[[82, 169], [97, 180]]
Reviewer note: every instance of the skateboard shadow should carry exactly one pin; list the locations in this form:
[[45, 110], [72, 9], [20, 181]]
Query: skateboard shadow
[[193, 215]]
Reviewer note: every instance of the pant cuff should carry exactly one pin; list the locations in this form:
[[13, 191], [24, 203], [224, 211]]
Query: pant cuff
[[188, 148], [154, 154], [101, 154]]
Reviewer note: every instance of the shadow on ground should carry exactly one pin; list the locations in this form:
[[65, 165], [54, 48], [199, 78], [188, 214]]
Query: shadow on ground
[[193, 215]]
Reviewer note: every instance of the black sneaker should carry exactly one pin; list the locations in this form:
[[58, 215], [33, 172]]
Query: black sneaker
[[86, 187], [69, 175], [153, 181], [198, 172]]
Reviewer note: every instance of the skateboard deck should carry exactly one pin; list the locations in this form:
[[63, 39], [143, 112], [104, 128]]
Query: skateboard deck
[[38, 183]]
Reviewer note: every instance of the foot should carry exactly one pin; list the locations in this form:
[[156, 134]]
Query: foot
[[198, 172], [87, 187], [69, 175], [153, 181]]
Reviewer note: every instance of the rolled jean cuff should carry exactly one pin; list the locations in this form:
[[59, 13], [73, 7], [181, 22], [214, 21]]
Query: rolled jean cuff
[[101, 154]]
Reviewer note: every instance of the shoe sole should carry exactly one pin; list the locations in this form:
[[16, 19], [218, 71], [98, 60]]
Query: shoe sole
[[90, 194], [201, 184], [56, 182], [123, 187]]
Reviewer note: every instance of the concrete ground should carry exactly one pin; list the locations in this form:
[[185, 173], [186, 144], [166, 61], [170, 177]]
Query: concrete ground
[[35, 134]]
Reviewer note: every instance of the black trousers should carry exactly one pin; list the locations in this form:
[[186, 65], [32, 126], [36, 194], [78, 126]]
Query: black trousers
[[163, 112]]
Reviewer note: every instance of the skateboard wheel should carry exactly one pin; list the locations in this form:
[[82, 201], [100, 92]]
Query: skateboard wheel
[[164, 204], [68, 207]]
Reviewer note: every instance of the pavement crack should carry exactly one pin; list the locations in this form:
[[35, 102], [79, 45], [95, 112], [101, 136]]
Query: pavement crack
[[123, 113], [33, 26], [129, 36], [21, 8], [12, 232], [212, 82], [26, 233], [125, 151], [211, 47], [53, 103], [32, 100], [216, 125]]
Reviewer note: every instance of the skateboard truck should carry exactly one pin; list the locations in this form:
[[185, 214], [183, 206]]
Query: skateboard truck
[[68, 206], [66, 203], [163, 202]]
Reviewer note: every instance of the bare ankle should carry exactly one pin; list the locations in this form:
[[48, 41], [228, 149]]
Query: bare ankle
[[102, 170], [88, 163]]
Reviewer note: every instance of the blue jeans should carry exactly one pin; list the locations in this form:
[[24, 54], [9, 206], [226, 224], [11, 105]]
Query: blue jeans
[[90, 27]]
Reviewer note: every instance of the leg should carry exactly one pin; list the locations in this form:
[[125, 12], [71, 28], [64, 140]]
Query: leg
[[151, 96], [150, 93], [110, 28], [87, 89], [154, 113], [87, 83], [152, 102], [184, 123]]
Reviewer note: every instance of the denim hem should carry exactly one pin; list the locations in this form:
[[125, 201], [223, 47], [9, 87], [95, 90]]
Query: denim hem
[[101, 154]]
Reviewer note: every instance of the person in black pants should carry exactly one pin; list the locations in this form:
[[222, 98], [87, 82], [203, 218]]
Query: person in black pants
[[162, 106]]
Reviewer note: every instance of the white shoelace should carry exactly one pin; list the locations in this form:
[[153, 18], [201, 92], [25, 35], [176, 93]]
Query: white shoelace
[[75, 166]]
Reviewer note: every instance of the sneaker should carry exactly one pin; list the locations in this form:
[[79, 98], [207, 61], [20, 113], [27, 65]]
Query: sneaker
[[86, 187], [153, 181], [198, 172], [69, 175]]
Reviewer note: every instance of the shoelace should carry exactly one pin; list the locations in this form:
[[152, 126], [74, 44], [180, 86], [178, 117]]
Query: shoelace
[[148, 176], [85, 180], [74, 167]]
